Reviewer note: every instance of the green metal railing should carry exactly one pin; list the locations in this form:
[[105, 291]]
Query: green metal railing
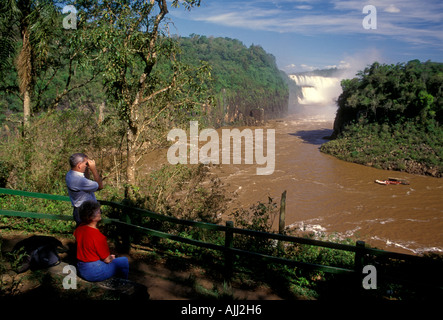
[[362, 253]]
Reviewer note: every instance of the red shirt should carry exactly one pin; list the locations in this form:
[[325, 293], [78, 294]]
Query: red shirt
[[92, 245]]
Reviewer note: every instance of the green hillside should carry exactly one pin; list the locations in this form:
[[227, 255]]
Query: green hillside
[[390, 116], [245, 79]]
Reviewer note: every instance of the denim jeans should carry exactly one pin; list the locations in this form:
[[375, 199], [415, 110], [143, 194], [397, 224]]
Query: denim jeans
[[100, 271]]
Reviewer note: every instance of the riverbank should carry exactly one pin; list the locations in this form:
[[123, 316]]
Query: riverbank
[[407, 147]]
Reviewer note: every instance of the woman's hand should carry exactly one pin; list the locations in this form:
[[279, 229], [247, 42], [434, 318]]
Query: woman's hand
[[109, 258]]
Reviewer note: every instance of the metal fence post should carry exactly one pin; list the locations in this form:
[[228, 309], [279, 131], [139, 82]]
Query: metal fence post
[[359, 256], [281, 223], [126, 234], [358, 264], [229, 239]]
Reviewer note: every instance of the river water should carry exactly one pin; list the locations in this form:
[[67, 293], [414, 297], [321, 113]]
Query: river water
[[328, 195]]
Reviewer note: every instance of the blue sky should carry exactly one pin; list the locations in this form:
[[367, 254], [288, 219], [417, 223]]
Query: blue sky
[[307, 35]]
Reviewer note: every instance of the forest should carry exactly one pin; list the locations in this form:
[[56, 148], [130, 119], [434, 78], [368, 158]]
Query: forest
[[114, 88], [390, 116], [245, 79]]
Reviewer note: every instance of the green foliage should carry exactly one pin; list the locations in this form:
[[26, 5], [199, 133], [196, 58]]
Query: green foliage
[[390, 117], [39, 163], [37, 56], [259, 217], [149, 88], [392, 93], [40, 160], [4, 173], [409, 146], [9, 267], [321, 255], [185, 192], [244, 78]]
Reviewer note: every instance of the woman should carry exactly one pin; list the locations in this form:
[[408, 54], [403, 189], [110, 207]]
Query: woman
[[95, 263]]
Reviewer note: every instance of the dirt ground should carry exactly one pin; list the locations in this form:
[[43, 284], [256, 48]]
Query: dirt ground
[[165, 276]]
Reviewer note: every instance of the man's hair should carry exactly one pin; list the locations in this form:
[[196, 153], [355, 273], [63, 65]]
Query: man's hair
[[76, 158], [87, 210]]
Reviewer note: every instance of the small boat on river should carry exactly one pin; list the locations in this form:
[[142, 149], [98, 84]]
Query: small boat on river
[[392, 181]]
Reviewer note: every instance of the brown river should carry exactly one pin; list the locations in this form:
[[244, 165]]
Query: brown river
[[332, 196]]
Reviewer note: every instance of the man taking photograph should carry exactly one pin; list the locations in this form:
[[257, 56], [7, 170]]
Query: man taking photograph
[[80, 187]]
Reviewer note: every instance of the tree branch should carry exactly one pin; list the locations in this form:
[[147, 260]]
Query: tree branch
[[66, 91]]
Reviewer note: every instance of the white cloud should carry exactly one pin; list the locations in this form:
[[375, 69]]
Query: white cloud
[[350, 64], [392, 9], [294, 68], [407, 20], [359, 61], [304, 7], [344, 65], [307, 68]]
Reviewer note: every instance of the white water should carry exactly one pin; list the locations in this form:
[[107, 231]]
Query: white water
[[317, 89], [319, 97], [333, 197]]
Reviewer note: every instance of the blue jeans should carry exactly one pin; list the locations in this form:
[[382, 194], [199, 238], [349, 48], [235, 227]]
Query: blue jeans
[[100, 271]]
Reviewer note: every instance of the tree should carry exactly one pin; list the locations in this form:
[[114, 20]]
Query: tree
[[33, 23], [245, 79], [391, 94], [130, 40], [34, 41]]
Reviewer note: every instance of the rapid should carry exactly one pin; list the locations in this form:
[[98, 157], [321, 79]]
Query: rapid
[[328, 195], [332, 196]]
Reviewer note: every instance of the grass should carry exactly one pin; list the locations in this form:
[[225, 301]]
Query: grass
[[249, 273], [408, 147], [15, 203], [200, 274]]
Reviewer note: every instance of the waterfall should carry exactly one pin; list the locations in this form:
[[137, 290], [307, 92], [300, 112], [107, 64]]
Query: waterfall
[[316, 95], [317, 89]]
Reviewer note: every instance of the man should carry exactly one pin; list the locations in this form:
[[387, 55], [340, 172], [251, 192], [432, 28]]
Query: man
[[80, 187]]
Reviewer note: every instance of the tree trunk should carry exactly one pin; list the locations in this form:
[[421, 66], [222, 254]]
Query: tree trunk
[[26, 108], [101, 113], [24, 70], [131, 162]]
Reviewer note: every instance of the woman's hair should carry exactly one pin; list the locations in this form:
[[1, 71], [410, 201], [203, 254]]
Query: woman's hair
[[87, 210]]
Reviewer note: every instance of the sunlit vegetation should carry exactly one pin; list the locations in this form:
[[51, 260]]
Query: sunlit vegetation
[[390, 117]]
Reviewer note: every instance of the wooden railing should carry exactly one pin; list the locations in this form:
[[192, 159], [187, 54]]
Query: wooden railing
[[362, 253]]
